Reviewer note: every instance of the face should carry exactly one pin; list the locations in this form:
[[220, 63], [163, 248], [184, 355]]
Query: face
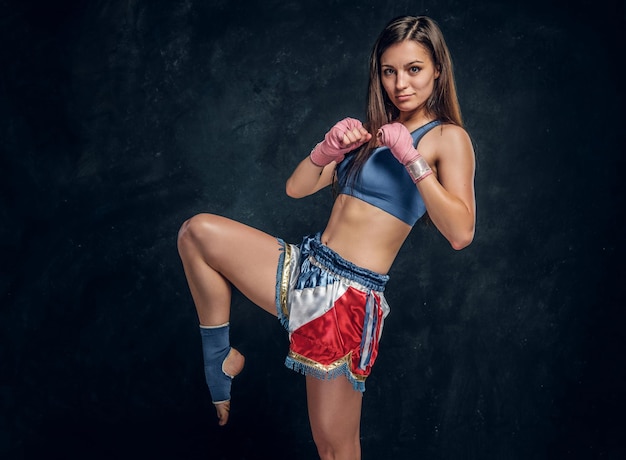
[[408, 76]]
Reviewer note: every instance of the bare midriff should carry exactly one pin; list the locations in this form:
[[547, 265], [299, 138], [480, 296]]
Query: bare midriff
[[365, 235]]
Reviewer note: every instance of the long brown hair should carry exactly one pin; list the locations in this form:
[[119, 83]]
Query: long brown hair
[[442, 104]]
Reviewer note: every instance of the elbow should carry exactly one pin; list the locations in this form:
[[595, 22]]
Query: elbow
[[462, 241], [291, 191]]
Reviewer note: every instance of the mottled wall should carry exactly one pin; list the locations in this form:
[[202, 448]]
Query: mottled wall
[[120, 119]]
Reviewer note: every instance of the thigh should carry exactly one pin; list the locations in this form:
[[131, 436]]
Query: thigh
[[245, 256], [335, 415]]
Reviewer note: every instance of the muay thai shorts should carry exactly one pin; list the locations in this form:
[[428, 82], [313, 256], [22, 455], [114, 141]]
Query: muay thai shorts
[[332, 309]]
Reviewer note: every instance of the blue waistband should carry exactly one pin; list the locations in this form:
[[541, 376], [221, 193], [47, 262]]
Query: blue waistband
[[312, 246]]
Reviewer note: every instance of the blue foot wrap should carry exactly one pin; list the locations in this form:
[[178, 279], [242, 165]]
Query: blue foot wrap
[[215, 349]]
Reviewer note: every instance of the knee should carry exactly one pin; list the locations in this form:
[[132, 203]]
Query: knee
[[196, 228], [332, 449]]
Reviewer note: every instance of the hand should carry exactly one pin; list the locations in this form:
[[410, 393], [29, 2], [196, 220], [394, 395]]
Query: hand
[[344, 137], [400, 142]]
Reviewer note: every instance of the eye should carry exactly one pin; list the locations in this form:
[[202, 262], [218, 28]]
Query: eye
[[414, 69], [388, 71]]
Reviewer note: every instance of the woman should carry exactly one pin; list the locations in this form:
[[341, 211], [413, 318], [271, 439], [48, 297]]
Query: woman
[[328, 290]]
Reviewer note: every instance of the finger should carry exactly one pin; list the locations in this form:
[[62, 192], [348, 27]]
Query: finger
[[388, 136], [350, 137], [380, 135], [360, 133]]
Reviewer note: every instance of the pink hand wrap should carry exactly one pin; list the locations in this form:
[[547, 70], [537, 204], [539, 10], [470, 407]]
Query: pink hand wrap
[[331, 148], [400, 142]]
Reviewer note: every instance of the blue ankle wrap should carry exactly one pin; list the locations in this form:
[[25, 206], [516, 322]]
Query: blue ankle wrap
[[215, 349]]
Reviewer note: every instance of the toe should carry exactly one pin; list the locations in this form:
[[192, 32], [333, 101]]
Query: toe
[[223, 411]]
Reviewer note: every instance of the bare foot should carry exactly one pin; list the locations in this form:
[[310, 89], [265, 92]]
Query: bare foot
[[233, 365]]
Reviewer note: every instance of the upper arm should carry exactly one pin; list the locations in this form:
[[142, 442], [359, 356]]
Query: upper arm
[[455, 163], [326, 177]]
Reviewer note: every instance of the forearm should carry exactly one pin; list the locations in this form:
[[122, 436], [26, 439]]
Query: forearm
[[316, 171], [452, 216], [308, 178]]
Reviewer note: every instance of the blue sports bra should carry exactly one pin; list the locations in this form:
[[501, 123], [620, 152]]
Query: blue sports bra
[[385, 183]]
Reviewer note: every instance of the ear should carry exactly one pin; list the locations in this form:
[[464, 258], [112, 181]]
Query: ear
[[437, 71]]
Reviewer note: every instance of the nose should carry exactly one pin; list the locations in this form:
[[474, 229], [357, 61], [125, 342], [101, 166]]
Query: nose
[[401, 80]]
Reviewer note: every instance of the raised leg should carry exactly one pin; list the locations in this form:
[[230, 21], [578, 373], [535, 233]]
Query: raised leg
[[335, 416], [217, 252]]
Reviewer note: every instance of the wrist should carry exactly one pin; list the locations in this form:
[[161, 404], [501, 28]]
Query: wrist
[[323, 154], [317, 157], [418, 169], [314, 163]]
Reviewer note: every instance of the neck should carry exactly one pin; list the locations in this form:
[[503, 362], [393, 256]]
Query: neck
[[414, 120]]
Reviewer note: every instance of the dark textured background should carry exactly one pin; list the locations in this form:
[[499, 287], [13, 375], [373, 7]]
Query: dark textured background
[[119, 119]]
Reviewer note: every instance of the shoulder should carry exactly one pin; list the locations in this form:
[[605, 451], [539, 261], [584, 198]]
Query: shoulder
[[446, 141], [447, 135]]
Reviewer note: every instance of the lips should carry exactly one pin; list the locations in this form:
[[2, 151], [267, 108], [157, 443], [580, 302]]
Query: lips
[[403, 97]]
